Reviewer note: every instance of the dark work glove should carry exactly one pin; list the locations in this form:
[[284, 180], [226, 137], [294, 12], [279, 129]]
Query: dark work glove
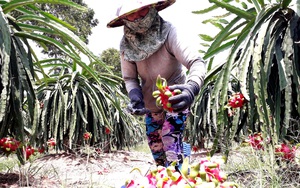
[[184, 100], [136, 106]]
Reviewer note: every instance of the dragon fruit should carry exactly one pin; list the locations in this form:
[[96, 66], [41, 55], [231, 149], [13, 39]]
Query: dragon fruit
[[163, 94]]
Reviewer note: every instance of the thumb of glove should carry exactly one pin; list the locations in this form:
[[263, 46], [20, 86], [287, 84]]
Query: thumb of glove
[[183, 100]]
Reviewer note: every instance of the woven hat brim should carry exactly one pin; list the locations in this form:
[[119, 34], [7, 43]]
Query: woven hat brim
[[160, 5]]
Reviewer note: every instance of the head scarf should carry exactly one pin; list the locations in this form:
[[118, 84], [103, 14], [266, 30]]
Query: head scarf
[[143, 37]]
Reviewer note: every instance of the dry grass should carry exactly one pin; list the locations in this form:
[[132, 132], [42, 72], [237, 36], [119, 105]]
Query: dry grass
[[93, 169], [259, 169], [108, 170]]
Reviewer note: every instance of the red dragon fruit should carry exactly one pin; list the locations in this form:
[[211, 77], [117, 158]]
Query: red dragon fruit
[[236, 100], [163, 94]]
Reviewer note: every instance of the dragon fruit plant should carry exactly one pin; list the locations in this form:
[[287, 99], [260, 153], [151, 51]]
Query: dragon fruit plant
[[163, 94], [205, 173]]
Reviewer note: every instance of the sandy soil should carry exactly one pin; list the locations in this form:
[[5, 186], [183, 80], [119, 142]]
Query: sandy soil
[[104, 170], [111, 170]]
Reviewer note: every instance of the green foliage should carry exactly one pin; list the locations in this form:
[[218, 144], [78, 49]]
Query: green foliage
[[73, 105], [80, 19], [18, 95], [111, 57], [262, 63], [69, 99], [252, 168], [83, 21], [285, 3]]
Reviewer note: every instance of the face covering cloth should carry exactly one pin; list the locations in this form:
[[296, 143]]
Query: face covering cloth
[[144, 36]]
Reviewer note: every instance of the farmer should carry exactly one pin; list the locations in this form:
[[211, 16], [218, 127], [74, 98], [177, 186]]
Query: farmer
[[150, 47]]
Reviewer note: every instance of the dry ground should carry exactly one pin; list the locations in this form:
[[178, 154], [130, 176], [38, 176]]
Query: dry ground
[[106, 170], [111, 170]]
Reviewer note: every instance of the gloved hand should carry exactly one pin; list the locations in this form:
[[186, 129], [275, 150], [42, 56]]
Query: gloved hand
[[184, 100], [136, 106]]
